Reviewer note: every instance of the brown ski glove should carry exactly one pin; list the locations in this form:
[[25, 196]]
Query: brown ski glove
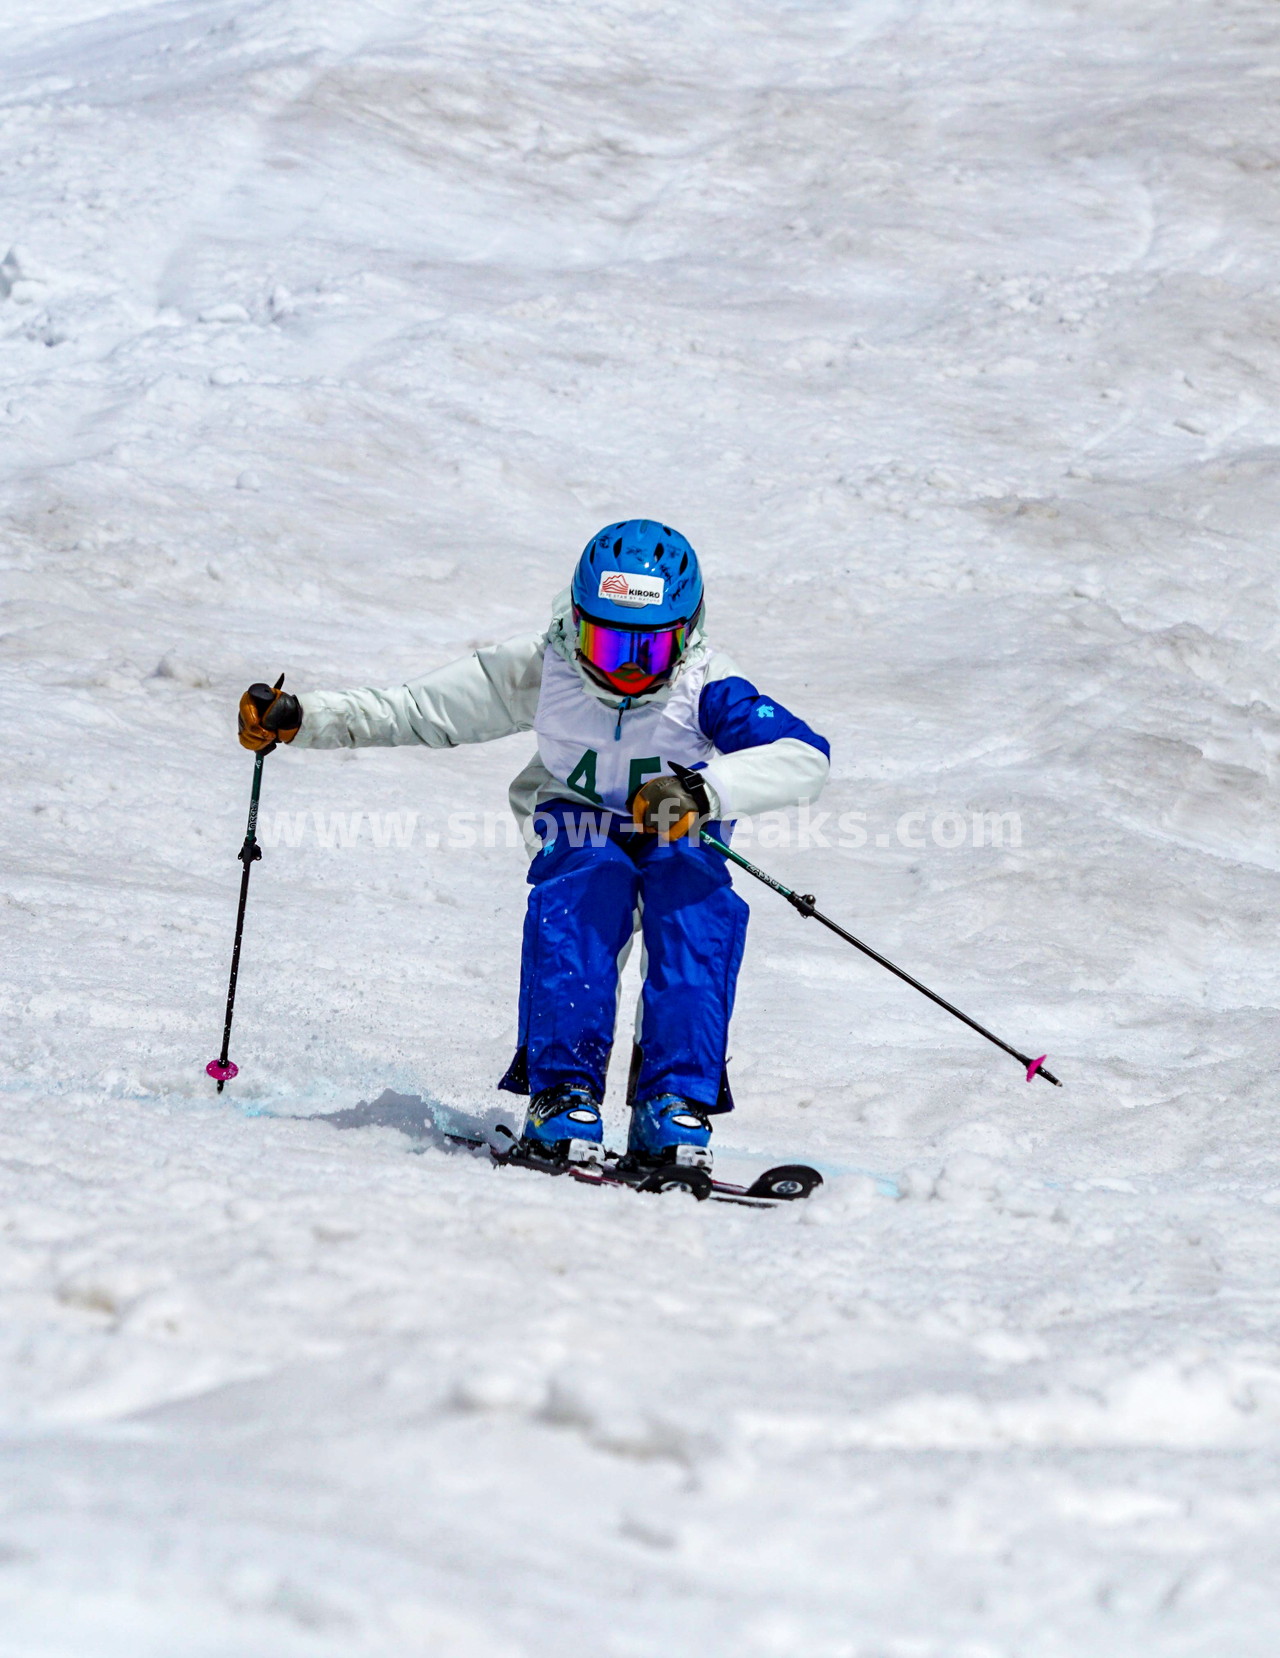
[[671, 807], [268, 716]]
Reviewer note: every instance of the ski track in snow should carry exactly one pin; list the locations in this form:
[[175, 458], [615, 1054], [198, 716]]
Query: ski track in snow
[[947, 333]]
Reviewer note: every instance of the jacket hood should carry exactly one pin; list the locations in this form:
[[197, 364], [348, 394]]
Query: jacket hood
[[562, 637]]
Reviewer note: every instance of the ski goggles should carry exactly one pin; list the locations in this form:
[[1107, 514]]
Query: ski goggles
[[630, 653]]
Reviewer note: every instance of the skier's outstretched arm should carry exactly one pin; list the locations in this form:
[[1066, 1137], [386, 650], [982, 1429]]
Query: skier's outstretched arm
[[768, 758], [492, 693]]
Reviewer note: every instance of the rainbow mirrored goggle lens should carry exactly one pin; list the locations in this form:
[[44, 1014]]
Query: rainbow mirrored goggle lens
[[630, 653]]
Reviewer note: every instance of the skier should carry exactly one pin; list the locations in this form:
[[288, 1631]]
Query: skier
[[645, 733]]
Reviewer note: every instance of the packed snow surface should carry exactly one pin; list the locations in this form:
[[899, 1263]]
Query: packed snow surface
[[947, 331]]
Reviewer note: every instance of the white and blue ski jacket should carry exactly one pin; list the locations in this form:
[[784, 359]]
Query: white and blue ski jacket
[[594, 746]]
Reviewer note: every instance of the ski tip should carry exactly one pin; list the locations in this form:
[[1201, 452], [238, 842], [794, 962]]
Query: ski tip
[[1035, 1066], [221, 1071], [786, 1183]]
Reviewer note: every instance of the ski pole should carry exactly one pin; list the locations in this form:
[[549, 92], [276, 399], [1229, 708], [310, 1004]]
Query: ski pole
[[222, 1069], [804, 902]]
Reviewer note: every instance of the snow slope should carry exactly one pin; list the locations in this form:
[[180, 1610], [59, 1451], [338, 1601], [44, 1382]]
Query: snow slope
[[946, 331]]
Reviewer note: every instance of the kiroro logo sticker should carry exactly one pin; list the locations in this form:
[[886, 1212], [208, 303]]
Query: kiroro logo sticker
[[633, 591]]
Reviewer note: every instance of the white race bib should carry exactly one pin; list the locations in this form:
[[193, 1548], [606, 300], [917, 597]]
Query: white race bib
[[580, 744]]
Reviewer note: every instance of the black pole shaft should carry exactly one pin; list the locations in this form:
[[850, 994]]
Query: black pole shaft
[[803, 902], [249, 853]]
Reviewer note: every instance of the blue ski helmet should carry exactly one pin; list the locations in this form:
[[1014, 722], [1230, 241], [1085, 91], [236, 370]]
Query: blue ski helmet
[[638, 575]]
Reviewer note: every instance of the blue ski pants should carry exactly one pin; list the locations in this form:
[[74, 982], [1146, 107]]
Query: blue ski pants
[[588, 881]]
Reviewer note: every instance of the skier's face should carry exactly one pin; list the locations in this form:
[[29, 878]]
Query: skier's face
[[630, 661]]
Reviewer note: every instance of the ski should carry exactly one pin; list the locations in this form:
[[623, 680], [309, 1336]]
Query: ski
[[787, 1183]]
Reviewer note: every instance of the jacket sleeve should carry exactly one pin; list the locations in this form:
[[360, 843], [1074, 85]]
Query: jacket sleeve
[[492, 693], [768, 758]]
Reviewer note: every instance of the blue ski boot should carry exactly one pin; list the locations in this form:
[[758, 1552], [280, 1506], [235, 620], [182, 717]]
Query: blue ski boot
[[669, 1129], [564, 1123]]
